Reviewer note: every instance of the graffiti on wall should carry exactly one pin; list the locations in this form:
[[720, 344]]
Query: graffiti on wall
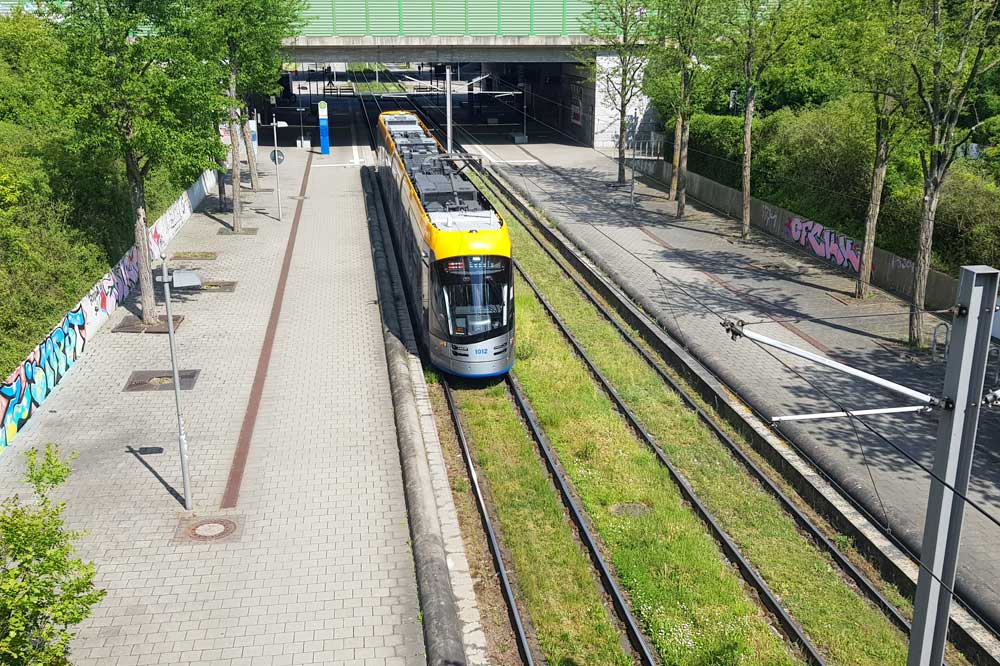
[[825, 243], [33, 380]]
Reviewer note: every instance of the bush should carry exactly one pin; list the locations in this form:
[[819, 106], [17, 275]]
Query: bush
[[65, 214], [44, 589], [817, 162]]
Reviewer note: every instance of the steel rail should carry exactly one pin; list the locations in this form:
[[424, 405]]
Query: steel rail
[[864, 584], [632, 630], [635, 636], [869, 590], [749, 573], [513, 612]]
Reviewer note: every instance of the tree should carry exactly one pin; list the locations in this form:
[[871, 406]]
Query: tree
[[760, 34], [140, 91], [870, 41], [44, 588], [251, 51], [620, 28], [688, 32], [956, 50]]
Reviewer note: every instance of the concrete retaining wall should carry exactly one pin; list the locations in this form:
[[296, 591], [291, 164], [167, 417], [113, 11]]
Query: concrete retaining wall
[[890, 272], [32, 381]]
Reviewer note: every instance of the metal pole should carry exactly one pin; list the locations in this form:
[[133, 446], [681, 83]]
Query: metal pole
[[302, 140], [277, 177], [447, 86], [846, 369], [524, 114], [956, 442], [181, 437], [631, 194]]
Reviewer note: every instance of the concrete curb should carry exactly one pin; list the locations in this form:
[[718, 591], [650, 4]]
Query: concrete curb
[[442, 628], [974, 639]]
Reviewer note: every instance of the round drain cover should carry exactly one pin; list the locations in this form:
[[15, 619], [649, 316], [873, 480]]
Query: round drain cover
[[210, 529]]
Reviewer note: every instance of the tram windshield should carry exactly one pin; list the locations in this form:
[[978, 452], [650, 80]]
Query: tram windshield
[[473, 298]]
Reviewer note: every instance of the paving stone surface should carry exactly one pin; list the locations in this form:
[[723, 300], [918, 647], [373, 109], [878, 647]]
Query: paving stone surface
[[319, 569], [704, 272]]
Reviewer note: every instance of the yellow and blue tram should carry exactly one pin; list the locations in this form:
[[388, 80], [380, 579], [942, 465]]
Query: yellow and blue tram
[[454, 247]]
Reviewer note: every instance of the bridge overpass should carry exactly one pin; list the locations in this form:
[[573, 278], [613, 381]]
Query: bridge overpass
[[441, 30]]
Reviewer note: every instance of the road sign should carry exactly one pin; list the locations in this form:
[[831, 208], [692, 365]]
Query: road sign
[[273, 101], [277, 156]]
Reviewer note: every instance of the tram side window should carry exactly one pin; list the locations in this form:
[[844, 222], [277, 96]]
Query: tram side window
[[472, 297]]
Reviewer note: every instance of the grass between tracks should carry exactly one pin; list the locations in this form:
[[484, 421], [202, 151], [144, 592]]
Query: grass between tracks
[[554, 575], [846, 627], [689, 600]]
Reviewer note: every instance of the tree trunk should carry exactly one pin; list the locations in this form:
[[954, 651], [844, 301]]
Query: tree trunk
[[622, 128], [678, 130], [928, 211], [220, 179], [234, 149], [137, 190], [251, 158], [748, 113], [682, 166], [863, 287]]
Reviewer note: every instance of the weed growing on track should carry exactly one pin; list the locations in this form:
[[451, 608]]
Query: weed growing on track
[[554, 575], [843, 625], [690, 602]]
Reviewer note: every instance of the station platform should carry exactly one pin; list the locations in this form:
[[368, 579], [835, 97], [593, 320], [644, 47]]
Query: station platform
[[318, 567], [712, 273]]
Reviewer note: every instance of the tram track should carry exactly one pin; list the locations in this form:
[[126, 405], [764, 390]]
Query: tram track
[[769, 600], [535, 227], [748, 572], [520, 636], [628, 623]]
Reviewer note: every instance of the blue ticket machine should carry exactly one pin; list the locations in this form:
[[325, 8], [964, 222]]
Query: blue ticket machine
[[324, 129]]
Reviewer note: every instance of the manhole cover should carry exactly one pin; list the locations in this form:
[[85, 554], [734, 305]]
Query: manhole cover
[[160, 380], [196, 256], [630, 509], [210, 529]]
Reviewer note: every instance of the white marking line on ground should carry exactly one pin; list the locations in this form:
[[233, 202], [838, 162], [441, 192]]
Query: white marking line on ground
[[343, 164], [483, 152]]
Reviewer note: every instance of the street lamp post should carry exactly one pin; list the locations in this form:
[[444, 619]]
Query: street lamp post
[[277, 178], [180, 279]]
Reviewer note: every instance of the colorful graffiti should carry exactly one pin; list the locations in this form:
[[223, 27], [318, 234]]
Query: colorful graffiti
[[825, 243], [33, 380]]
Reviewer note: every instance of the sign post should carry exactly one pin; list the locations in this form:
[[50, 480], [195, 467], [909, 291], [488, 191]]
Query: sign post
[[324, 129]]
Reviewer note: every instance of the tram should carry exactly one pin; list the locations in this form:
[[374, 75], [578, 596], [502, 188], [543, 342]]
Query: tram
[[455, 250]]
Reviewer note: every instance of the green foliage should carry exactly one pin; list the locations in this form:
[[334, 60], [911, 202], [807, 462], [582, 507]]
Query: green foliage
[[44, 588], [140, 87], [64, 208], [247, 34], [817, 162]]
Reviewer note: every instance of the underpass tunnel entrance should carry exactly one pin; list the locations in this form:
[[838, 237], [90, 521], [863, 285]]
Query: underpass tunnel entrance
[[494, 101]]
